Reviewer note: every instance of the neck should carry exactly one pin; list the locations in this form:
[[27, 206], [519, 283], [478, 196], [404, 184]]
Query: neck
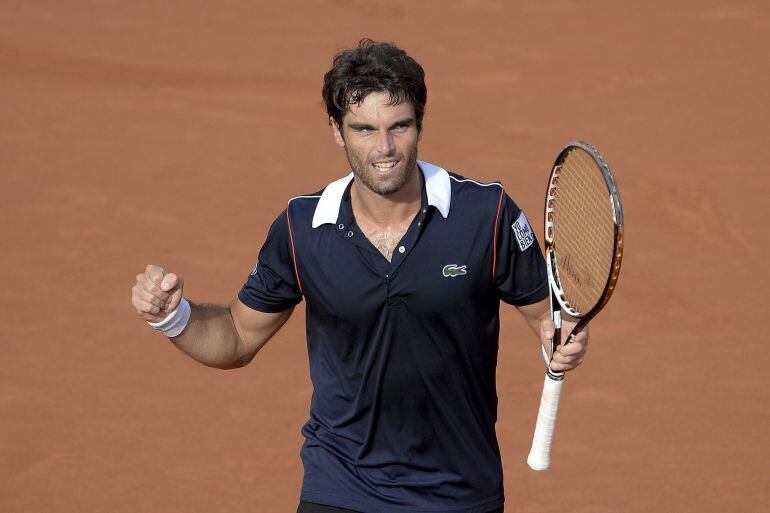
[[386, 210]]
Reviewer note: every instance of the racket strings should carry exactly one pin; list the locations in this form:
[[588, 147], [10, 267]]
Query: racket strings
[[583, 231]]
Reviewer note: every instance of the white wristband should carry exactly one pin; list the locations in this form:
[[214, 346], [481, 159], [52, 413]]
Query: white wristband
[[175, 322]]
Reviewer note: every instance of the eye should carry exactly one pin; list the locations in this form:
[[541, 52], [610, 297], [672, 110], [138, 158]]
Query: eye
[[402, 127]]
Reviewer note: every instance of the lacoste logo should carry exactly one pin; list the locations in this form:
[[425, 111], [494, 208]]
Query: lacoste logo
[[452, 270]]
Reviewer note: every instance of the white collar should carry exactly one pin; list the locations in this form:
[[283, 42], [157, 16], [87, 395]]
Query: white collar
[[437, 189]]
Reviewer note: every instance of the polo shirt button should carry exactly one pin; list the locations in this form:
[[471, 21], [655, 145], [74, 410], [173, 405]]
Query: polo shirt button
[[401, 249], [341, 226], [350, 233]]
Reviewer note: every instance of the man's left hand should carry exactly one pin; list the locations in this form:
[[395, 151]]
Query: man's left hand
[[567, 356]]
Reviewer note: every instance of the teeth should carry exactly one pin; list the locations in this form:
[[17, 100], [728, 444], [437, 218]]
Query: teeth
[[384, 165]]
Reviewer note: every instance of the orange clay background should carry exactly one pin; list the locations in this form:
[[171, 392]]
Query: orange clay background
[[174, 132]]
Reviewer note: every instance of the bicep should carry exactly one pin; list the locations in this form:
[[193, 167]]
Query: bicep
[[255, 328], [520, 271]]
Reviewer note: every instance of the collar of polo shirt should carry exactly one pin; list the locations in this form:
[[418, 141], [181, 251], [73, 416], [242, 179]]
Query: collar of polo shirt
[[437, 189]]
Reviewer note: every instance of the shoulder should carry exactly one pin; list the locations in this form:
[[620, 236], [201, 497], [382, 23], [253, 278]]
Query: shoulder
[[464, 185], [300, 209], [470, 195], [297, 210], [304, 201]]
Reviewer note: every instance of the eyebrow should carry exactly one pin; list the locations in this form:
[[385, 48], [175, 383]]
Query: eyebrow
[[401, 122]]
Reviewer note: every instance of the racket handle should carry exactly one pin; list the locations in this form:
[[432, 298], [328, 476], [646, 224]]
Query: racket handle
[[540, 454]]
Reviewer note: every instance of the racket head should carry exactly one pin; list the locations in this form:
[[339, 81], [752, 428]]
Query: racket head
[[583, 231]]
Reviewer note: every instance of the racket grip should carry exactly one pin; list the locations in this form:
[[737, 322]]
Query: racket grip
[[540, 454]]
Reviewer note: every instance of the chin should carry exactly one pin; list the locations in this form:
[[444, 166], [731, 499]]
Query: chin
[[391, 185]]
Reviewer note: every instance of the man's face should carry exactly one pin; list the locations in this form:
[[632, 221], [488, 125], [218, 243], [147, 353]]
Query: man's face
[[380, 141]]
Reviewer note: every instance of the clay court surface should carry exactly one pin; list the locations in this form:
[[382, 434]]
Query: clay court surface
[[174, 132]]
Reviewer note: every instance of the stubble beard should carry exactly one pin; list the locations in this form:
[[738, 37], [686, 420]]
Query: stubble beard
[[363, 171]]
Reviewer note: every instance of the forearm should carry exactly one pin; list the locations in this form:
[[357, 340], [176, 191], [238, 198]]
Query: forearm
[[210, 337], [535, 321]]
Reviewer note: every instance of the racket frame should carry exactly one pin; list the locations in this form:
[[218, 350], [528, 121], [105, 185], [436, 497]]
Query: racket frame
[[559, 300], [539, 455]]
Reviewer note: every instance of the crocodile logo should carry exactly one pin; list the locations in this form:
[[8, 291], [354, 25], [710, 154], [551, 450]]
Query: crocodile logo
[[452, 270]]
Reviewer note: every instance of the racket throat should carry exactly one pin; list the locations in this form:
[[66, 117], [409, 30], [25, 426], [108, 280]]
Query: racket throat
[[556, 318]]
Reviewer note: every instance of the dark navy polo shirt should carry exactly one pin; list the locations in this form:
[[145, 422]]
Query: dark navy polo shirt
[[402, 354]]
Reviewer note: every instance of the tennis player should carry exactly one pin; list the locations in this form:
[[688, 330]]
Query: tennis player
[[402, 267]]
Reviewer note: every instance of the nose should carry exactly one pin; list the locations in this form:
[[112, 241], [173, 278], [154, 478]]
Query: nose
[[385, 143]]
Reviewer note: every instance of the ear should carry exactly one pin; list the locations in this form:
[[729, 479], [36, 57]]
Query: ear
[[337, 133], [419, 135]]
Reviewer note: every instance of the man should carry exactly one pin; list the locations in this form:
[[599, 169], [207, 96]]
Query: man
[[402, 266]]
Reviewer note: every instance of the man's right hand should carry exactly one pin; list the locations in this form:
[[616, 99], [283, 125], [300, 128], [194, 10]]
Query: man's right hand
[[156, 293]]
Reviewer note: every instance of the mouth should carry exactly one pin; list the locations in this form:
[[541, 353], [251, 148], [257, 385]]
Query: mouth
[[386, 166]]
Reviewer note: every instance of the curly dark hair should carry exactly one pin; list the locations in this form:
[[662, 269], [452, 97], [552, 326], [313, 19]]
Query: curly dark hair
[[373, 67]]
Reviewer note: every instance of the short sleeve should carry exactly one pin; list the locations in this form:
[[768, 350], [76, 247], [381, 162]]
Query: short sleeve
[[272, 285], [520, 272]]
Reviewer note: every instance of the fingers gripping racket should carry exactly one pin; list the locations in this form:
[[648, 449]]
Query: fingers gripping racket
[[583, 249]]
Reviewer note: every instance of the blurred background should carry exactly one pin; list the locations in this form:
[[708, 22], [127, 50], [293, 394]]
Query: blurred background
[[174, 132]]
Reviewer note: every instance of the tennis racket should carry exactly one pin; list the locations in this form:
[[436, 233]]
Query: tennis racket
[[583, 250]]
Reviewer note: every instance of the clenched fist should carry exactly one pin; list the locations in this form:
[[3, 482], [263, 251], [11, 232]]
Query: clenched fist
[[156, 294]]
